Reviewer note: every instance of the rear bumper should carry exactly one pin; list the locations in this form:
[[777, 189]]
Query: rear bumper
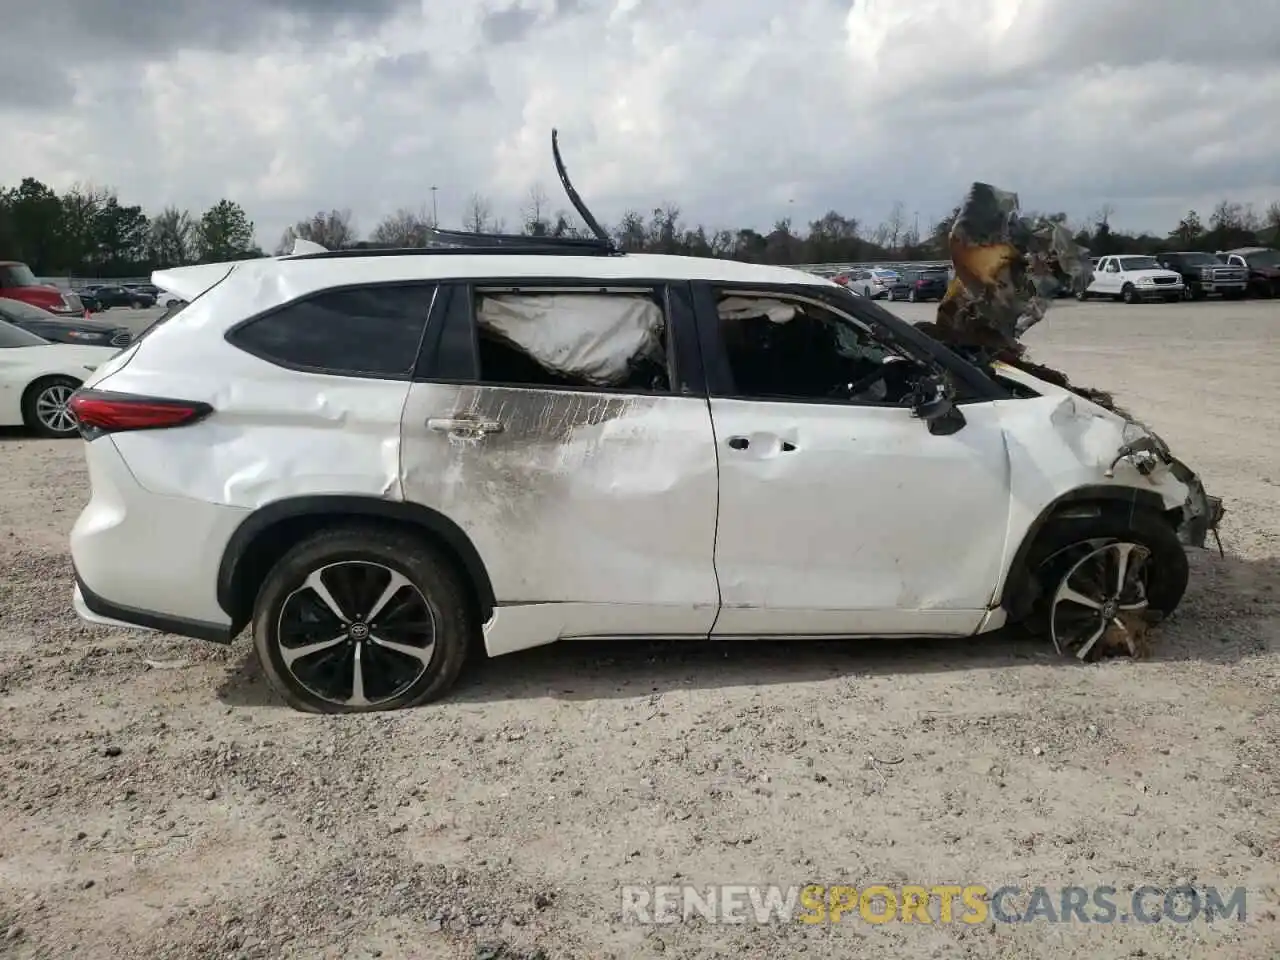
[[148, 560], [94, 609]]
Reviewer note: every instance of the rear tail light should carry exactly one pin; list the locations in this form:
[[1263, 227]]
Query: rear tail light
[[919, 283], [100, 411]]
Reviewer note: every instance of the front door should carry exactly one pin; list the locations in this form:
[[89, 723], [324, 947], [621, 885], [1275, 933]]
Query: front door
[[552, 426], [840, 513]]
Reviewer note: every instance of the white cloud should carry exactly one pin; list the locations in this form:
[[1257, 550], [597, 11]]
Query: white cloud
[[731, 111]]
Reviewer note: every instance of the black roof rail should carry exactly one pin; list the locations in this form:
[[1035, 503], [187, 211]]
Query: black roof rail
[[474, 244]]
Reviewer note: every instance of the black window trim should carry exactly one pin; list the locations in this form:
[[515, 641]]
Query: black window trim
[[883, 323], [684, 357], [405, 377]]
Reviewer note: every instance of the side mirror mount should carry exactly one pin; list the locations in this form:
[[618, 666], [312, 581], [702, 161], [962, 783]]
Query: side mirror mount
[[931, 402]]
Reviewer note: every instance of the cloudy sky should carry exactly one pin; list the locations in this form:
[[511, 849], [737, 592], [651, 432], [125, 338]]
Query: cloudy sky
[[737, 112]]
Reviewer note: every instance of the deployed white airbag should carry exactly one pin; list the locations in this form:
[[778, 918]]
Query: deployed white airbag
[[587, 336], [743, 308]]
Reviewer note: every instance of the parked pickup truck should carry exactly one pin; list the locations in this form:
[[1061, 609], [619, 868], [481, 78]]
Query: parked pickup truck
[[1263, 265], [1204, 274], [1133, 278]]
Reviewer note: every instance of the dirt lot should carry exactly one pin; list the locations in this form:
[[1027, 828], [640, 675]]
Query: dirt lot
[[159, 802]]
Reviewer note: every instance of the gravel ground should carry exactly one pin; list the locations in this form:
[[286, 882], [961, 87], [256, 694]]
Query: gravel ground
[[160, 802]]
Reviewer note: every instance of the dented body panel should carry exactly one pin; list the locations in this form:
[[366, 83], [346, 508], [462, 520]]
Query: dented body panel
[[277, 432], [594, 513], [831, 520]]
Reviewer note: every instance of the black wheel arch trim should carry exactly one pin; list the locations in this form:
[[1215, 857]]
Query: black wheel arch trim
[[347, 507], [1097, 495], [179, 626]]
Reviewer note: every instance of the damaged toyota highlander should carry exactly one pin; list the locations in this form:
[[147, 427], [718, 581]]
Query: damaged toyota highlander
[[383, 461]]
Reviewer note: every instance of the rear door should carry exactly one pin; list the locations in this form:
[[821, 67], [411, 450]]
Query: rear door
[[565, 429]]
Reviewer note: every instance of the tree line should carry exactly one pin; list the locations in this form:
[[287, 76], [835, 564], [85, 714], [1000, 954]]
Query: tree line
[[89, 231]]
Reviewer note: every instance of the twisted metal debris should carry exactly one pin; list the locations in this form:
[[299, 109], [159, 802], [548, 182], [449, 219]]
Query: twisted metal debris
[[1008, 269]]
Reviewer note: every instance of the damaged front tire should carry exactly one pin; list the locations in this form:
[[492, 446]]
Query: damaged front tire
[[1103, 581]]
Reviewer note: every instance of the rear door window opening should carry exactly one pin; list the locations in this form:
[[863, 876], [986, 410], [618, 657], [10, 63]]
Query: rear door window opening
[[602, 339]]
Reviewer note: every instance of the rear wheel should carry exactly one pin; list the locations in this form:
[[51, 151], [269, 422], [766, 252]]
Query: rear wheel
[[359, 619], [46, 407], [1104, 581]]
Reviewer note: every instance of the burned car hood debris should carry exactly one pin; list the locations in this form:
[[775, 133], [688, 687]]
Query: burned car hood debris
[[1008, 269]]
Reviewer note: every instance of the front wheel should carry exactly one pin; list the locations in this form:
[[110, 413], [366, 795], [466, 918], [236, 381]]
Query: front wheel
[[891, 294], [358, 619], [1128, 294], [1103, 581], [46, 409]]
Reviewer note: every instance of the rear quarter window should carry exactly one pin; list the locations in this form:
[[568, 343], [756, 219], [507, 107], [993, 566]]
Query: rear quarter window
[[367, 331]]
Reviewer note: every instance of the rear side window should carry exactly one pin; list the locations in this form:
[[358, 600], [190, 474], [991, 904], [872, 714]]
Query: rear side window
[[366, 331]]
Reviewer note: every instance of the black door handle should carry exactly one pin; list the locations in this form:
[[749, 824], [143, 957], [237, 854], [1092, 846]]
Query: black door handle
[[739, 443]]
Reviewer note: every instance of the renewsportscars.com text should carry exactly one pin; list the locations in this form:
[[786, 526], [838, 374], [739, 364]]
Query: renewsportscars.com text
[[938, 903]]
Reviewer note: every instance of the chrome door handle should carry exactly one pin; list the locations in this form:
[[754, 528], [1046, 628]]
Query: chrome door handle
[[463, 425]]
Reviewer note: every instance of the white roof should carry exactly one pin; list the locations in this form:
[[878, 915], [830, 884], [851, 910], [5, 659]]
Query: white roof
[[317, 273]]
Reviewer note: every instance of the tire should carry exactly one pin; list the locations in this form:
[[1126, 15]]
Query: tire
[[890, 295], [1190, 293], [1128, 294], [1067, 548], [433, 594], [1082, 295], [866, 292], [44, 408]]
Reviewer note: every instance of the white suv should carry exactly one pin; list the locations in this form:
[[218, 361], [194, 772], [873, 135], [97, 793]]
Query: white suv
[[373, 458]]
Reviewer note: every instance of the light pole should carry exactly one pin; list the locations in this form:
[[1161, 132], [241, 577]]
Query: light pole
[[435, 213]]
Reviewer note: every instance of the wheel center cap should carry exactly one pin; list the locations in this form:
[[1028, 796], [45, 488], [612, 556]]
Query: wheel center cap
[[358, 631], [1110, 609]]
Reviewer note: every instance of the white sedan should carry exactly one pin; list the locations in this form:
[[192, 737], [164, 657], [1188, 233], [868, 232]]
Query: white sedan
[[37, 379]]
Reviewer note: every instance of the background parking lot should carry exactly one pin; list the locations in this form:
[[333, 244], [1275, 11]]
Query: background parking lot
[[161, 803]]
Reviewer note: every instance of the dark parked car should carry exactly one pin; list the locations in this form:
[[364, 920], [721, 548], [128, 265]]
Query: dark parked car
[[1203, 274], [1263, 265], [88, 300], [118, 296], [920, 283], [86, 333]]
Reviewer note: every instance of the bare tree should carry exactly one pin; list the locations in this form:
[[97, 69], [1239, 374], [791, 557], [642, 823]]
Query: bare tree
[[478, 214], [82, 206], [405, 228], [333, 230], [1271, 219], [534, 214], [894, 223]]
